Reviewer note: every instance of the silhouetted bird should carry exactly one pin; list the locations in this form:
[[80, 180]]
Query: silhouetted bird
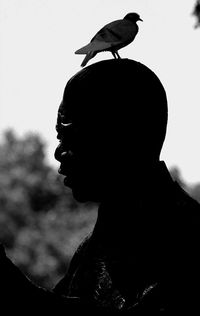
[[112, 37]]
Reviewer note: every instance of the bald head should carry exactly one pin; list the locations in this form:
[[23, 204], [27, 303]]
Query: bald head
[[117, 96]]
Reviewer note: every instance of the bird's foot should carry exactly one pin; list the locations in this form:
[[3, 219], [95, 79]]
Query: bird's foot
[[114, 55], [117, 55]]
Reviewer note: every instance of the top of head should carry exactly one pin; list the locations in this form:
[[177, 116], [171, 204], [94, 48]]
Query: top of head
[[118, 97]]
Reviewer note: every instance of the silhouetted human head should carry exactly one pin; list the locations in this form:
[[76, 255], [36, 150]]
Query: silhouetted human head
[[117, 110]]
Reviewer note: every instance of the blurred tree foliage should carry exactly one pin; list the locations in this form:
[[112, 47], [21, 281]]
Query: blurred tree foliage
[[40, 222], [176, 175], [193, 190]]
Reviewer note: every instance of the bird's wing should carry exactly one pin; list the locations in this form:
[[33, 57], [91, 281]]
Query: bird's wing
[[95, 46], [117, 31], [101, 34]]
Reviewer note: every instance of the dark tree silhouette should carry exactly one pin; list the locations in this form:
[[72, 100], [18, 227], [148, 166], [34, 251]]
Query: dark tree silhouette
[[196, 13]]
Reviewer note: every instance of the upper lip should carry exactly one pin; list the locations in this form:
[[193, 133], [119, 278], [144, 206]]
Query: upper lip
[[63, 171]]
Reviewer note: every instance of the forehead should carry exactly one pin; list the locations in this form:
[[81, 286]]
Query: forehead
[[61, 117], [66, 120], [62, 112], [65, 114]]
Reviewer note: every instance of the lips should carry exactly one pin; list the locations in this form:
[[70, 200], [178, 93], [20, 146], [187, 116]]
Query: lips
[[61, 171], [67, 172], [65, 169], [67, 178]]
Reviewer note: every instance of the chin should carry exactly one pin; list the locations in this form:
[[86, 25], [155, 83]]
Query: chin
[[79, 196], [83, 191], [84, 195]]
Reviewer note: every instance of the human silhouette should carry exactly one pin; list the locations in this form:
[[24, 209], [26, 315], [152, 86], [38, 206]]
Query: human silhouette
[[142, 256]]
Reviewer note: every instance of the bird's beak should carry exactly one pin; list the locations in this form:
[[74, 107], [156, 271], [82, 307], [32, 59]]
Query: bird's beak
[[140, 20]]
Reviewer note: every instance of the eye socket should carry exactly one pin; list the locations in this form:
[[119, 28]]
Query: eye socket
[[62, 128], [70, 136]]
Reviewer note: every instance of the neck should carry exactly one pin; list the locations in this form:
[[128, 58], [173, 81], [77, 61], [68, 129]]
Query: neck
[[136, 210]]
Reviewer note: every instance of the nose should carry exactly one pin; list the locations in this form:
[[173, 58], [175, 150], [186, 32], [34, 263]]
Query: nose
[[61, 154], [58, 154]]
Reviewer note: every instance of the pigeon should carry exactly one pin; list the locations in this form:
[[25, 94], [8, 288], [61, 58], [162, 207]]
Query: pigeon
[[112, 37]]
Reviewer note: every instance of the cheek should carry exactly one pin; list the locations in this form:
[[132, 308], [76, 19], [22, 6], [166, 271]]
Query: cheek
[[89, 169]]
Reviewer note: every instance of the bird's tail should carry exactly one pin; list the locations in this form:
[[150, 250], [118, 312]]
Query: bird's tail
[[89, 56]]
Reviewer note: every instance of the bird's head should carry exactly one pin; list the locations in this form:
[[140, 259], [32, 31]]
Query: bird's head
[[133, 17]]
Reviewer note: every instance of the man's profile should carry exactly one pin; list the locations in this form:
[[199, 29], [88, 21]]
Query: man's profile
[[142, 255]]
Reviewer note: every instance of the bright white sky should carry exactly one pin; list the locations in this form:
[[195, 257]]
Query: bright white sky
[[38, 39]]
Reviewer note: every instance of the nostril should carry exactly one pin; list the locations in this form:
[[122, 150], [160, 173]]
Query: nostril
[[70, 153]]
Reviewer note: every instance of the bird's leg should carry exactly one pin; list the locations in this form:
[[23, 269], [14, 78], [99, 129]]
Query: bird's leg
[[117, 55], [113, 53]]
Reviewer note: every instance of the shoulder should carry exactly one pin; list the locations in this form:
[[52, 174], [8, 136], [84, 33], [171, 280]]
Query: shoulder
[[187, 215], [63, 284], [188, 228], [184, 201]]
